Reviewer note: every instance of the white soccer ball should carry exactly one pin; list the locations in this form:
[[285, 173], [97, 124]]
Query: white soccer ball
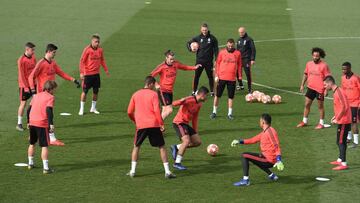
[[249, 98], [265, 99], [212, 149], [276, 99], [260, 96], [194, 46]]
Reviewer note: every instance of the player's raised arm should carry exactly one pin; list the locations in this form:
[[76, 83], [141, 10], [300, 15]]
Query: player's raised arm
[[62, 74], [179, 102], [186, 67]]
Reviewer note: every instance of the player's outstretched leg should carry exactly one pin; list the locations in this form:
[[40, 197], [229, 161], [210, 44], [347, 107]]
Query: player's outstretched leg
[[245, 181]]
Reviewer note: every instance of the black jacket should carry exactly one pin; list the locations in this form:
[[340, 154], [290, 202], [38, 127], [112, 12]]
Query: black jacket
[[208, 48], [247, 47]]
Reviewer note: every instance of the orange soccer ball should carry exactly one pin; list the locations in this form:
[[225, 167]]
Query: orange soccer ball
[[212, 149], [276, 99]]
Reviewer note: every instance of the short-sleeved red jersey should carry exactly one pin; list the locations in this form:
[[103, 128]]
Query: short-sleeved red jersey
[[39, 103], [91, 59], [316, 73], [25, 66], [341, 107], [188, 111], [351, 87], [144, 109], [168, 74], [228, 65]]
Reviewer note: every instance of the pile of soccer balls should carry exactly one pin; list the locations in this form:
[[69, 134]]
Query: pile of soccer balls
[[258, 96]]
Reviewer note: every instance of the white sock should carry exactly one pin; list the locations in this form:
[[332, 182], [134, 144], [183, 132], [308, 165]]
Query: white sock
[[344, 163], [271, 174], [305, 119], [338, 160], [230, 111], [93, 105], [19, 119], [356, 138], [214, 109], [52, 137], [82, 104], [178, 159], [178, 146], [166, 167], [46, 164], [321, 121], [246, 177], [349, 136], [31, 160], [133, 166]]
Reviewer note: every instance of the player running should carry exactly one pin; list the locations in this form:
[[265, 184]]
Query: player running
[[167, 71], [270, 155], [45, 70], [189, 136], [40, 122], [350, 83], [228, 66], [314, 74], [91, 59], [144, 111], [26, 63], [342, 117]]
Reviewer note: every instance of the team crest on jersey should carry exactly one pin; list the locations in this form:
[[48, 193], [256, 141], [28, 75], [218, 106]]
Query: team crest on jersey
[[244, 42], [201, 40], [209, 41]]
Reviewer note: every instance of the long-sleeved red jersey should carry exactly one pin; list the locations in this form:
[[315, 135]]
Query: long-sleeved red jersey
[[25, 66], [351, 87], [91, 59], [188, 111], [228, 64], [341, 107]]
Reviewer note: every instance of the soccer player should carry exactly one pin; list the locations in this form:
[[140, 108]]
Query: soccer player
[[45, 70], [228, 65], [315, 72], [40, 122], [167, 72], [144, 111], [208, 50], [189, 136], [26, 63], [246, 46], [270, 155], [342, 118], [91, 59], [350, 83]]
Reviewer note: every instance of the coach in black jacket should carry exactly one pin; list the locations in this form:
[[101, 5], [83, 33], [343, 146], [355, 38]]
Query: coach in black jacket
[[246, 46], [208, 50]]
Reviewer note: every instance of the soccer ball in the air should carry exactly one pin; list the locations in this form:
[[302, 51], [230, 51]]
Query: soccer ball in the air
[[212, 149], [249, 98], [265, 99], [276, 99], [194, 46]]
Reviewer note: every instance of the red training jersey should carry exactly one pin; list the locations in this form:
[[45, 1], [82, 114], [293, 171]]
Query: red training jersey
[[341, 107], [269, 143], [144, 109], [46, 70], [39, 102], [188, 111], [168, 74], [25, 66], [228, 64], [351, 87], [316, 73], [91, 59]]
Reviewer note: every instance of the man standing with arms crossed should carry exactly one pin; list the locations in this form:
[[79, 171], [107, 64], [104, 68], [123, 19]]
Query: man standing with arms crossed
[[26, 63], [246, 46], [91, 60], [144, 111], [208, 50]]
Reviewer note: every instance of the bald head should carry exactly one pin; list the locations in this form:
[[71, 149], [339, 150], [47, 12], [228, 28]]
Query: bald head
[[242, 31]]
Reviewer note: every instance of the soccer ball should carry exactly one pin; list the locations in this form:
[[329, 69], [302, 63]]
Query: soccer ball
[[265, 99], [255, 94], [212, 149], [249, 98], [194, 46], [260, 96], [276, 99]]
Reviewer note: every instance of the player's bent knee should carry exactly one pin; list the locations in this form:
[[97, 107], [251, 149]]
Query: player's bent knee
[[95, 90]]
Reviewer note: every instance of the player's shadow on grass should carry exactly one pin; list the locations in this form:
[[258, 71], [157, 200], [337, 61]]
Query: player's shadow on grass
[[63, 168], [102, 138], [92, 124]]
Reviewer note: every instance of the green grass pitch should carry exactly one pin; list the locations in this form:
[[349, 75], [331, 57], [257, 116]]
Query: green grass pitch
[[92, 165]]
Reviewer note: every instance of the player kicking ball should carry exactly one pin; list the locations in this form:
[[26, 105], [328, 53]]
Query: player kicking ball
[[40, 123], [91, 60], [144, 111], [342, 118], [270, 155], [188, 111]]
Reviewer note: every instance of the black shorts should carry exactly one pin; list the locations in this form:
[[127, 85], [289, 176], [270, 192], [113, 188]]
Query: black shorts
[[166, 98], [230, 88], [207, 65], [39, 134], [183, 129], [24, 96], [312, 94], [91, 81], [355, 114], [155, 135]]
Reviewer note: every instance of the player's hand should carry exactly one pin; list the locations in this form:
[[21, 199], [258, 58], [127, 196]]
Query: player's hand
[[77, 83], [82, 77], [279, 165], [108, 74], [252, 63], [333, 120], [216, 79], [302, 88], [28, 126], [234, 143], [52, 128], [162, 128], [157, 86], [33, 91], [198, 66]]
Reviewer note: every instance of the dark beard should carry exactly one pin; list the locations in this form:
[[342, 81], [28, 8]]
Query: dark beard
[[230, 50]]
